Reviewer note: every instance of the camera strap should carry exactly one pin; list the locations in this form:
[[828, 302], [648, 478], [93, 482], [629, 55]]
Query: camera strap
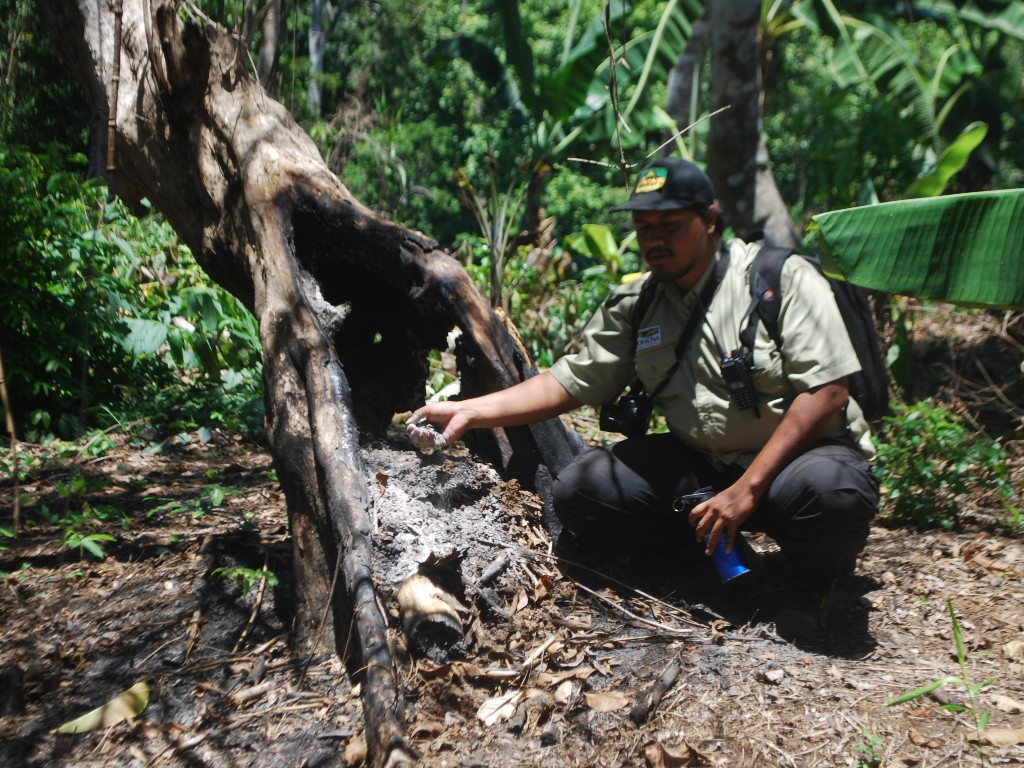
[[696, 317]]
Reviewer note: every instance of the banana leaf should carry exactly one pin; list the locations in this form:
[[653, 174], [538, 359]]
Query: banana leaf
[[950, 162], [1006, 16], [965, 249]]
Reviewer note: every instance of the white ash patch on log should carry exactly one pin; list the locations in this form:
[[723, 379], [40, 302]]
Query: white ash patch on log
[[442, 513]]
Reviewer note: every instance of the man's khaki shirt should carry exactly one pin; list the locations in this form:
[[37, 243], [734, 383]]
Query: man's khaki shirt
[[816, 350]]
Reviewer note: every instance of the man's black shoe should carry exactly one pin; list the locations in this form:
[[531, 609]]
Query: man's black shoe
[[804, 613]]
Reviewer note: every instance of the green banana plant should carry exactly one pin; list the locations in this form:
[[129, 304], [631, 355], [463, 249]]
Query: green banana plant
[[576, 96], [977, 72], [571, 103], [839, 241], [965, 249], [869, 49], [569, 95], [1003, 16], [554, 109], [950, 162]]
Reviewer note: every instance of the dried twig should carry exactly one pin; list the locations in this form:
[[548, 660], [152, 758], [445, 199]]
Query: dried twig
[[247, 694], [771, 746], [492, 571], [658, 625], [323, 616], [526, 667], [256, 607], [563, 561], [650, 700]]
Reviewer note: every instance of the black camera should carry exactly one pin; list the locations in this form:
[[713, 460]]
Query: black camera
[[737, 371], [630, 415]]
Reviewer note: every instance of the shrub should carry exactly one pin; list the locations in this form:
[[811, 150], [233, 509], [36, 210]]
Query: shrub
[[929, 460], [105, 316]]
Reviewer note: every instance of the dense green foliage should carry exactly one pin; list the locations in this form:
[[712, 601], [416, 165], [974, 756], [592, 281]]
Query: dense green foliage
[[896, 90], [408, 115], [105, 317], [39, 102]]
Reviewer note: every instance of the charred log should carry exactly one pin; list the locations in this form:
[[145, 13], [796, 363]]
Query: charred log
[[349, 304]]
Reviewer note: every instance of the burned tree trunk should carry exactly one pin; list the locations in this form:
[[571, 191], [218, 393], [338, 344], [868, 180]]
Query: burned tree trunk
[[349, 304]]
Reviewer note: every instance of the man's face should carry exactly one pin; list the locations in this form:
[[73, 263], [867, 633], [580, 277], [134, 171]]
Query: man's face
[[677, 245]]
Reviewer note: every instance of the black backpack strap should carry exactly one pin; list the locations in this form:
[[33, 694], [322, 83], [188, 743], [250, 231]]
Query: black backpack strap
[[765, 294]]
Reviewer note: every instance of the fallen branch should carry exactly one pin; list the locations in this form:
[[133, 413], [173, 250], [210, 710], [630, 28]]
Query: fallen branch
[[645, 706], [349, 304]]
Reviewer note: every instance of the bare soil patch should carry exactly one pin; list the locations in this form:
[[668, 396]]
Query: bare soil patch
[[559, 650]]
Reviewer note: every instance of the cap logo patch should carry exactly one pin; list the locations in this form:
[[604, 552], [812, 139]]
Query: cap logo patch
[[651, 181]]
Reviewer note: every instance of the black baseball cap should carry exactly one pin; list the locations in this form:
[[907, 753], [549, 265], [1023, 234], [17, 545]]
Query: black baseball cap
[[668, 184]]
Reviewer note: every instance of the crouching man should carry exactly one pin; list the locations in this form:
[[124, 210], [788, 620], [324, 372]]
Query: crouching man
[[771, 429]]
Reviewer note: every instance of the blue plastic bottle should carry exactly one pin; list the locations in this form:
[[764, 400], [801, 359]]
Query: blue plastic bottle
[[729, 565]]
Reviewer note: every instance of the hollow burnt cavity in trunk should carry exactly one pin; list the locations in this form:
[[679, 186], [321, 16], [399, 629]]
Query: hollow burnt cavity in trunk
[[349, 304]]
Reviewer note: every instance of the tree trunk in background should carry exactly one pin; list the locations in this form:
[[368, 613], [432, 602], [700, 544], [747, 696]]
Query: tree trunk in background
[[737, 153], [685, 83], [317, 42], [275, 23], [349, 304]]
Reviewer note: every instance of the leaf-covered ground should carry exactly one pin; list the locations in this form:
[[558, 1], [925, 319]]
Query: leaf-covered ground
[[559, 651], [562, 651]]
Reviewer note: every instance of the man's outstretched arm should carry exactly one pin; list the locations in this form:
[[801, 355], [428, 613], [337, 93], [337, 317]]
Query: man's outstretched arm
[[536, 399]]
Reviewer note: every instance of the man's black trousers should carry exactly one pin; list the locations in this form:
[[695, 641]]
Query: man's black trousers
[[818, 509]]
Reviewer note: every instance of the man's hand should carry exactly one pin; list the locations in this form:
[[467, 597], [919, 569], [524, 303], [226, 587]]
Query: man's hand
[[436, 425], [539, 397], [722, 515], [803, 425]]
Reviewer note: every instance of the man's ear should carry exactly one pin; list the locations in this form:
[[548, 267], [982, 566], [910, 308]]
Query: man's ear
[[711, 219]]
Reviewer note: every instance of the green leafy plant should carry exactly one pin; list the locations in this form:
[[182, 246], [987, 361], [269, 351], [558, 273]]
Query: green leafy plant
[[80, 529], [100, 306], [928, 458], [246, 578], [5, 533], [979, 716], [579, 99], [212, 497], [86, 542], [869, 750], [551, 302], [441, 382]]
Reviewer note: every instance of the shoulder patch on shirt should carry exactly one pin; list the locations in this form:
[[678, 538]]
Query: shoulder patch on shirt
[[648, 337]]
